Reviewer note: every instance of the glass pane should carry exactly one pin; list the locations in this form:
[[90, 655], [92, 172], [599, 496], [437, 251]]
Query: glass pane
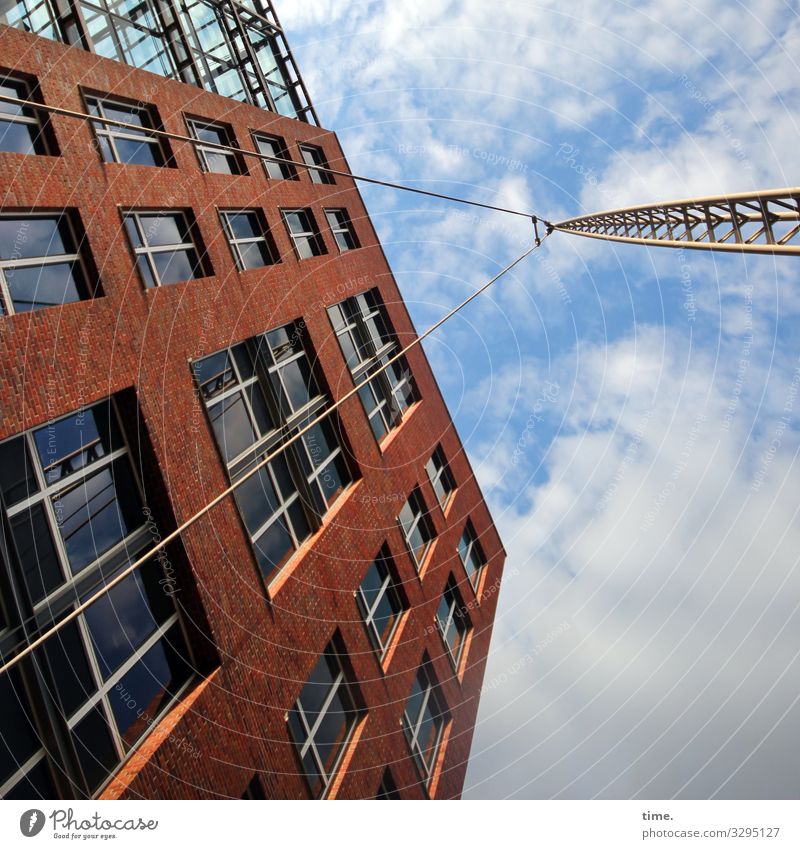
[[232, 426], [317, 688], [17, 480], [137, 153], [164, 229], [220, 163], [299, 521], [18, 737], [282, 476], [255, 255], [296, 222], [214, 374], [15, 137], [74, 442], [177, 266], [371, 585], [414, 703], [72, 677], [257, 500], [384, 617], [272, 547], [124, 114], [262, 415], [119, 623], [94, 747], [206, 133], [148, 686], [331, 732], [40, 286], [243, 225], [443, 611], [305, 247], [299, 384], [146, 272], [27, 237], [41, 569], [37, 784], [97, 513]]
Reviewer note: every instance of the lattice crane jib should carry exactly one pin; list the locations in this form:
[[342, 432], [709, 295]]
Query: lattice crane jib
[[764, 222]]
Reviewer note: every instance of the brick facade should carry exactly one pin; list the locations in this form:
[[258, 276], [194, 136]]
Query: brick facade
[[254, 649]]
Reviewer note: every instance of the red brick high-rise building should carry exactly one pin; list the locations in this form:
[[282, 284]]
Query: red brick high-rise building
[[173, 307]]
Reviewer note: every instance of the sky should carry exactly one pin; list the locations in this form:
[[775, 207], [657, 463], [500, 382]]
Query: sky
[[631, 413]]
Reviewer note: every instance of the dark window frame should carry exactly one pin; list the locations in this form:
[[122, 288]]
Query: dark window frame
[[58, 704], [430, 691]]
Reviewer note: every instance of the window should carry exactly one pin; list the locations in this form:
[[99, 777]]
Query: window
[[274, 146], [440, 477], [42, 262], [453, 622], [212, 158], [417, 527], [127, 146], [424, 719], [471, 554], [368, 342], [20, 129], [74, 519], [387, 789], [322, 720], [164, 247], [304, 233], [342, 229], [380, 602], [314, 156], [249, 238], [36, 17], [257, 394]]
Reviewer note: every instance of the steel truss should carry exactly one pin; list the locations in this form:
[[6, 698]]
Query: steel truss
[[765, 222]]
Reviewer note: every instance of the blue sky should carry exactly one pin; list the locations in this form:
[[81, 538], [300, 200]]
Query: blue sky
[[632, 414]]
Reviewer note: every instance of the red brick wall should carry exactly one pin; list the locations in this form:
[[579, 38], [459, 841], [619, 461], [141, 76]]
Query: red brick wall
[[232, 723]]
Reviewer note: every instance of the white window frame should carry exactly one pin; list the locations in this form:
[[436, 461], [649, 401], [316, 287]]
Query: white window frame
[[309, 731], [311, 237], [26, 114], [318, 160], [412, 728], [7, 305], [368, 612], [201, 148], [278, 150], [111, 132], [453, 605], [418, 517], [148, 251], [235, 241], [472, 544], [441, 473], [346, 230]]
